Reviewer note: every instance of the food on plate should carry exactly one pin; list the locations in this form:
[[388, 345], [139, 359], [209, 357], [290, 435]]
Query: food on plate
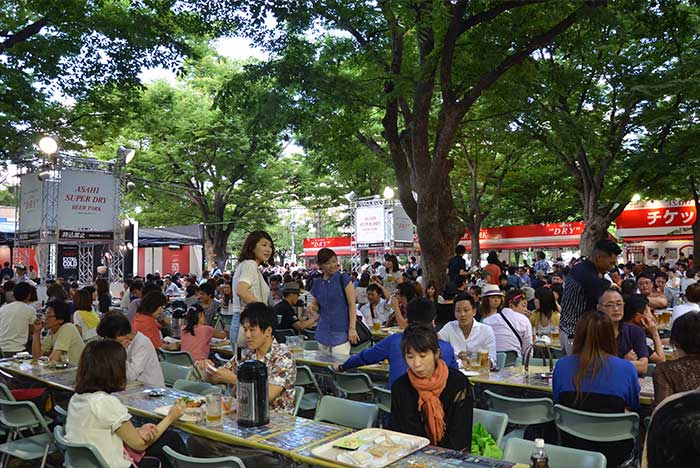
[[348, 444], [378, 452], [192, 402]]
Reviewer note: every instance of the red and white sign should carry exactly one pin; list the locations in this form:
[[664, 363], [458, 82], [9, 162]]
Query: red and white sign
[[166, 260], [86, 201], [402, 224], [656, 220], [342, 246], [528, 236]]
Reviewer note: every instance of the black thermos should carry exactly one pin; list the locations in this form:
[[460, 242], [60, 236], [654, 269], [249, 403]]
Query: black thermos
[[253, 409]]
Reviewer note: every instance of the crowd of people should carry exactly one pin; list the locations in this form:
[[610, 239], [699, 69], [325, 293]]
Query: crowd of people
[[605, 314]]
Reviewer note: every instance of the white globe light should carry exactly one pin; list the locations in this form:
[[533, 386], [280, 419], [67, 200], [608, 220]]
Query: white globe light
[[48, 145], [388, 193], [636, 197]]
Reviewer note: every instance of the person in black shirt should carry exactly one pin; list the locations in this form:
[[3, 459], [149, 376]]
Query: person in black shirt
[[431, 400], [457, 266], [583, 286], [290, 320]]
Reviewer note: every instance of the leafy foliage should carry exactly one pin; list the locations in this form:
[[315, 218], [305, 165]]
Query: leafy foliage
[[55, 52]]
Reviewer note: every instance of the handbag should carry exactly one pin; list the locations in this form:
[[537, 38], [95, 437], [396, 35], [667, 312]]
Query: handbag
[[363, 333]]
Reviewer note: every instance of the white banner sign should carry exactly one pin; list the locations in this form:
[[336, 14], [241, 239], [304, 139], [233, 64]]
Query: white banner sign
[[86, 201], [370, 225], [403, 226], [31, 192]]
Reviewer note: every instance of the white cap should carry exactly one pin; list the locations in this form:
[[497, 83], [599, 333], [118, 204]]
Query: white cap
[[539, 443]]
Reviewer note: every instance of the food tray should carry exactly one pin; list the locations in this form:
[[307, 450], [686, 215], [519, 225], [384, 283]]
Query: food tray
[[378, 448], [164, 410]]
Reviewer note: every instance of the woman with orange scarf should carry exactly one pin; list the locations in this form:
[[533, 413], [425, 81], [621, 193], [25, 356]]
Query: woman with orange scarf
[[431, 400]]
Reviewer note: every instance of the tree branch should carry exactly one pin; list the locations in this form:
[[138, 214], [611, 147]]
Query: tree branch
[[488, 79], [23, 34]]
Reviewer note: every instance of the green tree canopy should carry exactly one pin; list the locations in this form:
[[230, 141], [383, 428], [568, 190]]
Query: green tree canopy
[[206, 155], [55, 52]]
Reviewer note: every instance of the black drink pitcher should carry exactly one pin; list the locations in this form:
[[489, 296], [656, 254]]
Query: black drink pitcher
[[253, 409]]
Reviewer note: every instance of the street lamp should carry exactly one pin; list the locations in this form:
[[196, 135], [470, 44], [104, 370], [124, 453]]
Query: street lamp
[[636, 197], [126, 155], [388, 193], [48, 145]]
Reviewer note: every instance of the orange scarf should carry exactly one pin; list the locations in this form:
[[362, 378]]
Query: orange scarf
[[429, 391]]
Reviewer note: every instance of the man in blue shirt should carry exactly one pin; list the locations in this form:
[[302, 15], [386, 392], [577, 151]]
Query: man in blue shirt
[[419, 310]]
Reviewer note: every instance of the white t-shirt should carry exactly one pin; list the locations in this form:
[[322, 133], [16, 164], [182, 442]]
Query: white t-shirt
[[391, 281], [94, 418], [361, 295], [15, 319], [247, 272], [87, 332], [680, 309], [142, 362], [505, 338], [480, 338], [381, 310]]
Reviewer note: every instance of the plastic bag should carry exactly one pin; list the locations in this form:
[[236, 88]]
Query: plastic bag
[[484, 444]]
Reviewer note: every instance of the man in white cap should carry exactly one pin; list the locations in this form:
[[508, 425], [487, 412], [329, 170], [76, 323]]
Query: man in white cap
[[21, 275]]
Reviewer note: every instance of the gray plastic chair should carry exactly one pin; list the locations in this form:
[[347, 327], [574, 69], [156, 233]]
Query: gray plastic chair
[[351, 383], [598, 427], [6, 394], [495, 423], [507, 359], [382, 398], [77, 455], [298, 395], [200, 388], [348, 413], [310, 345], [183, 461], [173, 372], [309, 400], [519, 451], [17, 415], [181, 358], [521, 411]]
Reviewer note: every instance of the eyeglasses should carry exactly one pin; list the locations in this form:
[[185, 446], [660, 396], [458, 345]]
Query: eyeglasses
[[614, 305], [50, 316]]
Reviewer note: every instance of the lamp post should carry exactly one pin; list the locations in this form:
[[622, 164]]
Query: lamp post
[[388, 193], [292, 226]]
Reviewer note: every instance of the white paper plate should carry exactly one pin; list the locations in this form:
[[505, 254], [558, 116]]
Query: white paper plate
[[164, 410], [470, 373]]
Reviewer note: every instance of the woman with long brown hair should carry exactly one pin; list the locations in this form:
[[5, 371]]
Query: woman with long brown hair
[[594, 379]]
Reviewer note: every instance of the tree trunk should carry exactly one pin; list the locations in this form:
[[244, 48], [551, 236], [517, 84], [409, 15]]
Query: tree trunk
[[474, 229], [439, 230], [595, 230], [215, 240], [696, 222]]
